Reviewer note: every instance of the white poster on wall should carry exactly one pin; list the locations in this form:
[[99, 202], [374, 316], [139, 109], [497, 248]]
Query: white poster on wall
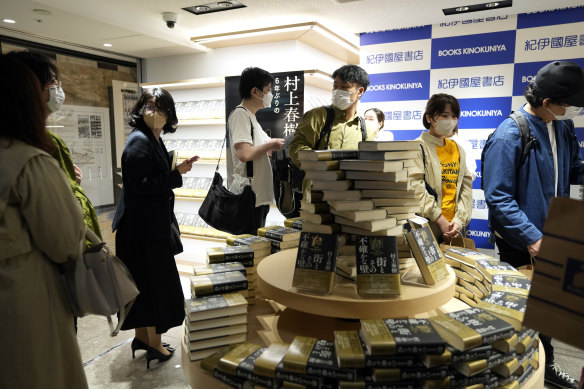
[[86, 132]]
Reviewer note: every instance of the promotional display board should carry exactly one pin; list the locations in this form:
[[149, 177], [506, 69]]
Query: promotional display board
[[485, 62]]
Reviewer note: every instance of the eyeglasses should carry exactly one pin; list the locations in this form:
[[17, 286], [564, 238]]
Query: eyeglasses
[[150, 109]]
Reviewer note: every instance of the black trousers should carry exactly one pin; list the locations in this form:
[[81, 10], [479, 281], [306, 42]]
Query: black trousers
[[517, 258]]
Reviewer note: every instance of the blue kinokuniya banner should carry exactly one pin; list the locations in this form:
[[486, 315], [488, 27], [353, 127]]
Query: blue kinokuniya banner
[[486, 62]]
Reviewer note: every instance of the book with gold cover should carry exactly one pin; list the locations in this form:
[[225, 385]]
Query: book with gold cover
[[209, 364], [315, 262], [268, 361], [470, 328], [217, 283], [525, 339], [395, 374], [377, 267], [315, 357], [240, 362], [508, 306], [400, 336], [294, 222], [465, 255], [517, 284], [217, 305], [427, 254], [279, 233], [253, 241], [242, 254], [349, 349], [451, 355], [201, 270]]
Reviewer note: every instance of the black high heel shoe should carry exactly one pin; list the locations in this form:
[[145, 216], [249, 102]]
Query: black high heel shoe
[[137, 344], [153, 354]]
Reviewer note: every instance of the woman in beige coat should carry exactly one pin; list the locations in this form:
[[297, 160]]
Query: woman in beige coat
[[41, 227]]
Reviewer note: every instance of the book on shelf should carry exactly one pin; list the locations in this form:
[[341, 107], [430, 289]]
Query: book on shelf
[[377, 267], [360, 216], [315, 262], [314, 208], [349, 349], [325, 175], [279, 233], [315, 357], [201, 270], [327, 155], [215, 332], [427, 254], [472, 287], [217, 283], [215, 306], [240, 362], [497, 357], [392, 231], [215, 342], [461, 273], [390, 202], [397, 209], [472, 270], [463, 291], [359, 205], [524, 361], [508, 306], [451, 355], [313, 196], [401, 175], [371, 166], [319, 165], [346, 266], [493, 266], [295, 222], [516, 284], [369, 225], [468, 300], [320, 228], [343, 195], [242, 254], [389, 155], [483, 288], [253, 241], [319, 218], [382, 185], [395, 145], [470, 328], [332, 185], [388, 193], [400, 336]]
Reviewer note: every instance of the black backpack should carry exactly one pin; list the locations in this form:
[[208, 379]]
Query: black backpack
[[288, 177], [527, 141]]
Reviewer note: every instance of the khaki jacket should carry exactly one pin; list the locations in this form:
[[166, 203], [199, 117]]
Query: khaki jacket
[[41, 226], [432, 209]]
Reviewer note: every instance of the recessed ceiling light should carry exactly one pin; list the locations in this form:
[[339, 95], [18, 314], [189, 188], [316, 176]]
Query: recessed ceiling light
[[44, 12], [214, 7], [224, 4], [478, 7], [11, 21], [201, 8], [107, 44]]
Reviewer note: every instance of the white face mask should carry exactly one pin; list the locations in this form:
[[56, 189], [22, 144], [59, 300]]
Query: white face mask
[[444, 127], [155, 121], [267, 99], [342, 99], [571, 113], [56, 98]]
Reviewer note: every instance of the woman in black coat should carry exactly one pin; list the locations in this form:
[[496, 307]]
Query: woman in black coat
[[147, 232]]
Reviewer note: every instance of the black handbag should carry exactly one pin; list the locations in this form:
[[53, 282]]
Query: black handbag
[[227, 211]]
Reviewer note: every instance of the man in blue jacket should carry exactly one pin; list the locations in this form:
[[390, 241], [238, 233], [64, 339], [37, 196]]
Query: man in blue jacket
[[518, 192]]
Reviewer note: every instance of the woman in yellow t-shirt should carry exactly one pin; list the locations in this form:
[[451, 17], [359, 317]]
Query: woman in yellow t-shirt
[[446, 194]]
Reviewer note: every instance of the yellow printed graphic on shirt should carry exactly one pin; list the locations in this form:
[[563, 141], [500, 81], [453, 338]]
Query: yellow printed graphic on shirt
[[449, 157]]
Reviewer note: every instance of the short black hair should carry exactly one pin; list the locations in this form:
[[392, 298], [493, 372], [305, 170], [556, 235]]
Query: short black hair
[[537, 101], [41, 65], [380, 115], [164, 102], [352, 73], [253, 78], [437, 104]]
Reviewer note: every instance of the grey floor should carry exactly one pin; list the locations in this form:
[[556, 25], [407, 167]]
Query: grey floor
[[109, 364]]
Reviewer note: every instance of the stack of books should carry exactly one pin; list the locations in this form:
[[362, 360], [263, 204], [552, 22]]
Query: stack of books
[[249, 272], [281, 238], [295, 222], [327, 182], [212, 322]]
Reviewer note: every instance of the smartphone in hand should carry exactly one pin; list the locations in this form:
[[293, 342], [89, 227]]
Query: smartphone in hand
[[193, 159]]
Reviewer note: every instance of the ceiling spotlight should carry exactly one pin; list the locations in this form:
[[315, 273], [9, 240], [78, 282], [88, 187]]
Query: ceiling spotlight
[[201, 8], [224, 4], [107, 44], [478, 7], [214, 7], [11, 21]]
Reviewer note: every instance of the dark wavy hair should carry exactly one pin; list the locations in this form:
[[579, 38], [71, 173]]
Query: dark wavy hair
[[437, 104], [41, 65], [352, 73], [253, 78], [164, 102], [380, 115], [537, 101], [22, 109]]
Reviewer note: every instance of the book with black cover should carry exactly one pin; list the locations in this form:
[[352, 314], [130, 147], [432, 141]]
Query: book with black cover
[[508, 306], [377, 266], [217, 283], [315, 262], [240, 363], [218, 305], [428, 255]]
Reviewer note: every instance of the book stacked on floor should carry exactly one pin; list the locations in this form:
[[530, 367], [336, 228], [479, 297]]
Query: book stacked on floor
[[281, 238], [214, 321]]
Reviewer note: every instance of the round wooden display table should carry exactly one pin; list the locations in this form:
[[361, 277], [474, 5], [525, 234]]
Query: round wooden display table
[[274, 281]]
